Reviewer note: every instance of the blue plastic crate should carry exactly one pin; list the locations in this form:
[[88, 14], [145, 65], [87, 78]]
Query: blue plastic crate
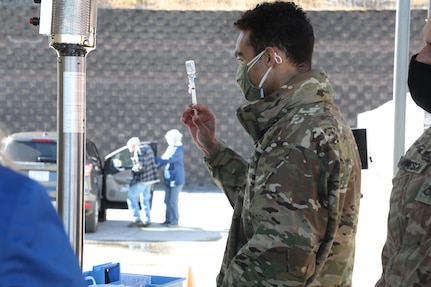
[[109, 274], [128, 279], [158, 281], [105, 273]]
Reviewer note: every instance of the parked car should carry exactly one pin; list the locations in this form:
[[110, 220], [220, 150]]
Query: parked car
[[35, 155], [106, 183]]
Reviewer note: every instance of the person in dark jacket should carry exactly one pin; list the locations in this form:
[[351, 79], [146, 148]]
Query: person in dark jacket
[[173, 175]]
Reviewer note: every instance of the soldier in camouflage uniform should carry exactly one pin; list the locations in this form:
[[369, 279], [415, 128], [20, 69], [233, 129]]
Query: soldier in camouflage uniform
[[406, 256], [296, 200]]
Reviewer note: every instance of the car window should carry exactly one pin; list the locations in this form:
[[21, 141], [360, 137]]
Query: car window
[[125, 158], [32, 151], [92, 152]]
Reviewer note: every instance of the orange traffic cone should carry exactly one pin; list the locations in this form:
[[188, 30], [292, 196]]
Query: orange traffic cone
[[190, 279]]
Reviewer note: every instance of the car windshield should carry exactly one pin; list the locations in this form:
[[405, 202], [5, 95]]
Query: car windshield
[[32, 151]]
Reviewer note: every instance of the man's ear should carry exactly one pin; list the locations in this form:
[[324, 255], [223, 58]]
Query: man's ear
[[273, 57]]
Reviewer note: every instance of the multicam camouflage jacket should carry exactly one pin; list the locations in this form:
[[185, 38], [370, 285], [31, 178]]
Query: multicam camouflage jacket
[[406, 256], [296, 201]]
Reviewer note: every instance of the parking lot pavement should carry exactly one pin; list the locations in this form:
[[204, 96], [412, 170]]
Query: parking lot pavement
[[198, 242], [203, 217], [117, 230]]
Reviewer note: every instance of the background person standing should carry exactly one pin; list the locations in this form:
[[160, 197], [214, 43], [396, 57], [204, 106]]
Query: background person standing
[[173, 174], [144, 175]]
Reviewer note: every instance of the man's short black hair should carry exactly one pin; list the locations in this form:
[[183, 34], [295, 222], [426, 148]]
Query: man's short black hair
[[283, 25]]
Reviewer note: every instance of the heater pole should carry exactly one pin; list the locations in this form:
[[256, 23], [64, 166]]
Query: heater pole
[[71, 28], [73, 36], [71, 99]]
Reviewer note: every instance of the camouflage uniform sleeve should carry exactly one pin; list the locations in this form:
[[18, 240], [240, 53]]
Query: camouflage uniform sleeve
[[228, 170]]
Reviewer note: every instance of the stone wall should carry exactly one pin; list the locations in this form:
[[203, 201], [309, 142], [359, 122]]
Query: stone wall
[[136, 80]]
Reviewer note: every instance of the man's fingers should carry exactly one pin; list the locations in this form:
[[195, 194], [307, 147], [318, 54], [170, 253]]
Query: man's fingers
[[187, 116]]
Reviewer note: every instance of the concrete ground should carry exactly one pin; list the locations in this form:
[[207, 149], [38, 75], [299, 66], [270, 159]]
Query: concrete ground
[[197, 244]]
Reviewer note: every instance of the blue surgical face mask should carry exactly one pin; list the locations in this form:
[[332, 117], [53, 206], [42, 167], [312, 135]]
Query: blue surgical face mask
[[250, 91]]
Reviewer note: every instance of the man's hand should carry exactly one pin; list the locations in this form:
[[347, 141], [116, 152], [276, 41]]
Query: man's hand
[[202, 127]]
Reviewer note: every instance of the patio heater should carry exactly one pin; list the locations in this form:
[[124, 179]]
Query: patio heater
[[71, 28]]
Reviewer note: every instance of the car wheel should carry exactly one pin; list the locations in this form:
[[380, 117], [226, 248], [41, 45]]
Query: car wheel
[[92, 220], [102, 215]]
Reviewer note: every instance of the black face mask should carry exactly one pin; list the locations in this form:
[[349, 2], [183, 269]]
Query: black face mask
[[419, 82]]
